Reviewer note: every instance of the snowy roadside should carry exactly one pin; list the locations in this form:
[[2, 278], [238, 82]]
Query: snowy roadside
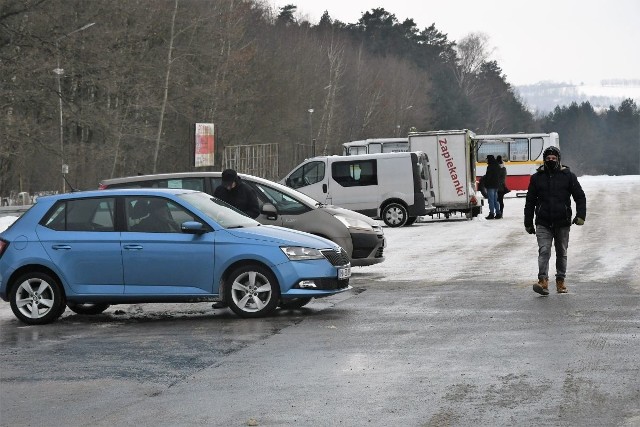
[[605, 249]]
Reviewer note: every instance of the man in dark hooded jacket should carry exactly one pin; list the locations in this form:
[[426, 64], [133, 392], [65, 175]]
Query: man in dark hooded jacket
[[237, 194], [549, 198], [491, 182]]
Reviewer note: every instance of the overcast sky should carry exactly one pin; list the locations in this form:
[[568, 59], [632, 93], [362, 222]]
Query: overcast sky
[[574, 41]]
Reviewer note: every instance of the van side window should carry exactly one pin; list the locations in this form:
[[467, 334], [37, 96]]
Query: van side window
[[307, 174], [355, 173]]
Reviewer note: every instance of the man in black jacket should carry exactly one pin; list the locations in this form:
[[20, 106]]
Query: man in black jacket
[[491, 182], [549, 197], [237, 193]]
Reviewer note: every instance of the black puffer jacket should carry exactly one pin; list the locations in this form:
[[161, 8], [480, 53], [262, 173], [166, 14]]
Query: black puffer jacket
[[549, 197], [493, 176], [241, 197]]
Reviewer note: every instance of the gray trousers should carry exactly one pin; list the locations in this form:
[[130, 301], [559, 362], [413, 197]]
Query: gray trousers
[[546, 237]]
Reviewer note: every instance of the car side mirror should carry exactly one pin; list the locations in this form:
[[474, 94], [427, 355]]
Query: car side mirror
[[193, 227], [269, 211]]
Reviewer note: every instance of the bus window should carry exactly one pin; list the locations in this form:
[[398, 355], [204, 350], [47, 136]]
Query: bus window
[[519, 150], [492, 146], [537, 144], [375, 148], [395, 147]]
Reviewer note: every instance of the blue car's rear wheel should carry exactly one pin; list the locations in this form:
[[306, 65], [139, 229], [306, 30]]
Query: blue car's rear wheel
[[37, 298], [87, 308], [292, 304], [252, 291]]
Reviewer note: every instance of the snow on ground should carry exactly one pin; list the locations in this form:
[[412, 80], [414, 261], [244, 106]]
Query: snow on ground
[[606, 248]]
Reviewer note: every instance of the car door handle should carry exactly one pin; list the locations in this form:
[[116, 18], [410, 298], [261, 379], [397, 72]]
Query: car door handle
[[133, 247], [61, 247]]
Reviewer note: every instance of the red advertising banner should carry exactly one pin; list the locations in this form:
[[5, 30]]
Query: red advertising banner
[[204, 144]]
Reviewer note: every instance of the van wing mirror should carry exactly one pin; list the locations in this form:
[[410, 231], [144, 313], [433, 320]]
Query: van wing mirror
[[269, 211]]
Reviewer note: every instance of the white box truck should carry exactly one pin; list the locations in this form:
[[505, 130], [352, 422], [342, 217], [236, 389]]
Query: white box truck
[[453, 167], [395, 187]]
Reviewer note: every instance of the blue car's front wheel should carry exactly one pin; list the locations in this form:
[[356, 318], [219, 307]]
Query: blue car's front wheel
[[252, 291]]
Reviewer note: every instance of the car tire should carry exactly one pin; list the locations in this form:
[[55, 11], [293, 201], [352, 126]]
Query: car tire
[[252, 291], [87, 308], [410, 221], [292, 304], [42, 290], [394, 214]]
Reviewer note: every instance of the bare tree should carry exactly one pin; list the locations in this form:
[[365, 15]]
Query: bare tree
[[473, 50]]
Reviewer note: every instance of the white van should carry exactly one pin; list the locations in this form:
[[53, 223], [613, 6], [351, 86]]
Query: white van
[[453, 163], [395, 187]]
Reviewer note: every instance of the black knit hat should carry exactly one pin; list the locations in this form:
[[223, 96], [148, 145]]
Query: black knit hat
[[229, 175], [551, 150]]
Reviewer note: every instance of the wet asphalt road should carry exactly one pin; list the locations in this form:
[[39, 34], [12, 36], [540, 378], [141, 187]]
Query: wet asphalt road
[[384, 354]]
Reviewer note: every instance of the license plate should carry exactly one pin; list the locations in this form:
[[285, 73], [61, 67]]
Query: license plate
[[344, 273]]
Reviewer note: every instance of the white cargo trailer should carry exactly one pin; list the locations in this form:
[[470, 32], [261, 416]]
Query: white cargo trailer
[[453, 169]]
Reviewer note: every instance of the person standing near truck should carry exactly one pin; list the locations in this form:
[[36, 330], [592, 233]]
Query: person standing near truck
[[502, 189], [549, 198], [491, 182]]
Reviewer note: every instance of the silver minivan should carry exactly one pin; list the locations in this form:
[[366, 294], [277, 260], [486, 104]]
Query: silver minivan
[[360, 236]]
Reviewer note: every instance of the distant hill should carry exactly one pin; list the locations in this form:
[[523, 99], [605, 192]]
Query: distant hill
[[541, 98]]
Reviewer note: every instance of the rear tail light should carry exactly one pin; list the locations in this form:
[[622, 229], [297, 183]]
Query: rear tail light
[[102, 187], [3, 246], [474, 201]]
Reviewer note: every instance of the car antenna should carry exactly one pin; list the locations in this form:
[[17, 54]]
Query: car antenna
[[73, 190]]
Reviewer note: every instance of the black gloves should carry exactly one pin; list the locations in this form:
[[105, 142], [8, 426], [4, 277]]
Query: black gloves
[[530, 229]]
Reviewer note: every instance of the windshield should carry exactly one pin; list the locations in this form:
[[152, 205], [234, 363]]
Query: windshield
[[222, 213], [293, 194]]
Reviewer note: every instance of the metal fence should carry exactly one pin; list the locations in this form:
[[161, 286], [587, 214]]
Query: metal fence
[[258, 160]]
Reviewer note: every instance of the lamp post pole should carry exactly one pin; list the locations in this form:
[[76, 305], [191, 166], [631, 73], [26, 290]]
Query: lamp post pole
[[59, 72], [313, 148]]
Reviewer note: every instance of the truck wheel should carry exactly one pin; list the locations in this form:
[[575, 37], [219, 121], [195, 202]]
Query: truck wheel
[[410, 221], [394, 215]]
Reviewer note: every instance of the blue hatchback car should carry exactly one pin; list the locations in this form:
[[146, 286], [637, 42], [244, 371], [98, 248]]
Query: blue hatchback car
[[89, 250]]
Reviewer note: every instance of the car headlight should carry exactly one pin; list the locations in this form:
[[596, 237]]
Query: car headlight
[[297, 253], [354, 222]]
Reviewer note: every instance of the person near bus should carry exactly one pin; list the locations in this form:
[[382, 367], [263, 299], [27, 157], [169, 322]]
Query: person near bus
[[491, 182], [238, 194], [549, 199], [502, 189]]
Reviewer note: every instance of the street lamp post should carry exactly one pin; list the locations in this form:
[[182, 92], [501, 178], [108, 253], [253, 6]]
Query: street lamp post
[[313, 145], [59, 72]]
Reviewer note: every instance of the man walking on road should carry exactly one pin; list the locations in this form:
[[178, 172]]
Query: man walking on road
[[549, 197]]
